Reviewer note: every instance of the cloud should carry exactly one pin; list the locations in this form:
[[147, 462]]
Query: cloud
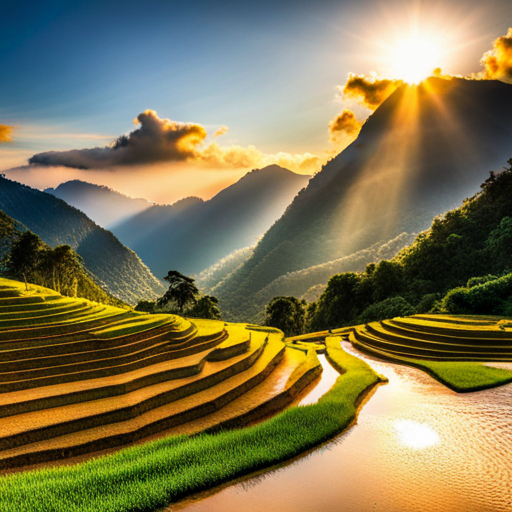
[[221, 131], [235, 157], [370, 91], [497, 62], [155, 140], [6, 133], [159, 140], [345, 123]]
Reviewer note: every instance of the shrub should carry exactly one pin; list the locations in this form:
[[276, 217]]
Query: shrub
[[388, 308], [428, 303], [475, 281], [456, 301]]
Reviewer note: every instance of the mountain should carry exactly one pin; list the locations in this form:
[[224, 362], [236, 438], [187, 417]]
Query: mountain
[[461, 264], [58, 269], [192, 236], [422, 152], [103, 205], [116, 267]]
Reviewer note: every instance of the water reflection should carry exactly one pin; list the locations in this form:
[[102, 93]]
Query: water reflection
[[415, 434], [326, 381], [370, 468]]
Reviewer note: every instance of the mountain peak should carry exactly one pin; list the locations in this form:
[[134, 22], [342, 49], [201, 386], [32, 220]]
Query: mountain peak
[[272, 170], [422, 152], [102, 204]]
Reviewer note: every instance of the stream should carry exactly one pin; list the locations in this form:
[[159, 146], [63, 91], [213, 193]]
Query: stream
[[417, 447]]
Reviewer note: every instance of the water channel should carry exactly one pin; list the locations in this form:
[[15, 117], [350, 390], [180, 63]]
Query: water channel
[[417, 447]]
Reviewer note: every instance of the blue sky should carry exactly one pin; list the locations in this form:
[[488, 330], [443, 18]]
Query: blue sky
[[75, 74]]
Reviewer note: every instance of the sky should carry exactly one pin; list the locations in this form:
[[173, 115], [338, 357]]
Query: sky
[[221, 87]]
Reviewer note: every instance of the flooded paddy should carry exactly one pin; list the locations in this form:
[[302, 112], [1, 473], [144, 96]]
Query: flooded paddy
[[417, 446]]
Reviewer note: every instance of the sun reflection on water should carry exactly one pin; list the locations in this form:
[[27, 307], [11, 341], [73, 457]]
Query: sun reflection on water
[[415, 434]]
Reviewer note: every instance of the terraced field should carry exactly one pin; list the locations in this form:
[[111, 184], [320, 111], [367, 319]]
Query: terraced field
[[459, 351], [437, 338], [78, 377]]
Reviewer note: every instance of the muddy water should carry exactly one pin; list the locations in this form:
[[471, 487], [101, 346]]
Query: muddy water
[[417, 446]]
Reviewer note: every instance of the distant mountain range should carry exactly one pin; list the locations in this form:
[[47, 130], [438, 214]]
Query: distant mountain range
[[117, 268], [103, 205], [193, 234], [422, 152]]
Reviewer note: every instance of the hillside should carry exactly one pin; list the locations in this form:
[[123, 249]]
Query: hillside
[[465, 255], [62, 396], [9, 231], [103, 205], [117, 268], [421, 153], [192, 239]]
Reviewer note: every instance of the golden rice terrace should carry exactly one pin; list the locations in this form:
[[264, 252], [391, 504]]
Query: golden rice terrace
[[78, 377], [438, 338]]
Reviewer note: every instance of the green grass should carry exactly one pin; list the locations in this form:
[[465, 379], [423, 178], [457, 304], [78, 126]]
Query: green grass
[[155, 474], [461, 376], [464, 376]]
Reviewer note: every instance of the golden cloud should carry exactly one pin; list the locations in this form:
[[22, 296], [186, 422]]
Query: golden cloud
[[345, 123], [497, 62], [6, 133], [370, 91], [163, 140], [221, 131]]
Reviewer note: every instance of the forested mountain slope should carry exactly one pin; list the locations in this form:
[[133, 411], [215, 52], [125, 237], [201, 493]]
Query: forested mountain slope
[[118, 268], [192, 236], [421, 153]]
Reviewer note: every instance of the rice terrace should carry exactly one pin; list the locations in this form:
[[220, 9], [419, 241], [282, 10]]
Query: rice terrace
[[256, 256]]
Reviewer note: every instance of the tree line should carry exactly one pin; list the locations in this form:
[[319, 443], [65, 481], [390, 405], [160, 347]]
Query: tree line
[[462, 264], [183, 298], [31, 260]]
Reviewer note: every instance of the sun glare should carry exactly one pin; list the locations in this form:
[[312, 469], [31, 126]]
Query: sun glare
[[415, 434], [414, 59]]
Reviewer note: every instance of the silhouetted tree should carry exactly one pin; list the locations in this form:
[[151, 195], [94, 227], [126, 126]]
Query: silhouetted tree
[[287, 314], [182, 290], [146, 306], [26, 255]]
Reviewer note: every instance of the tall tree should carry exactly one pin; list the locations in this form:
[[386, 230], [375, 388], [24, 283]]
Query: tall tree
[[206, 307], [287, 314], [26, 255], [62, 267], [182, 290]]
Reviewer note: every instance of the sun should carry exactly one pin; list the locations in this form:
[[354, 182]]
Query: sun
[[414, 59]]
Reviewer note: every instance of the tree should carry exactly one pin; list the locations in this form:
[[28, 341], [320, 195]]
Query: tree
[[388, 308], [206, 307], [62, 267], [182, 290], [287, 314], [146, 306], [339, 304], [26, 255]]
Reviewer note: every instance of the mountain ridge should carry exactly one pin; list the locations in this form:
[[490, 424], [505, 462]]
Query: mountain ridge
[[201, 235], [109, 206], [116, 267], [421, 153]]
